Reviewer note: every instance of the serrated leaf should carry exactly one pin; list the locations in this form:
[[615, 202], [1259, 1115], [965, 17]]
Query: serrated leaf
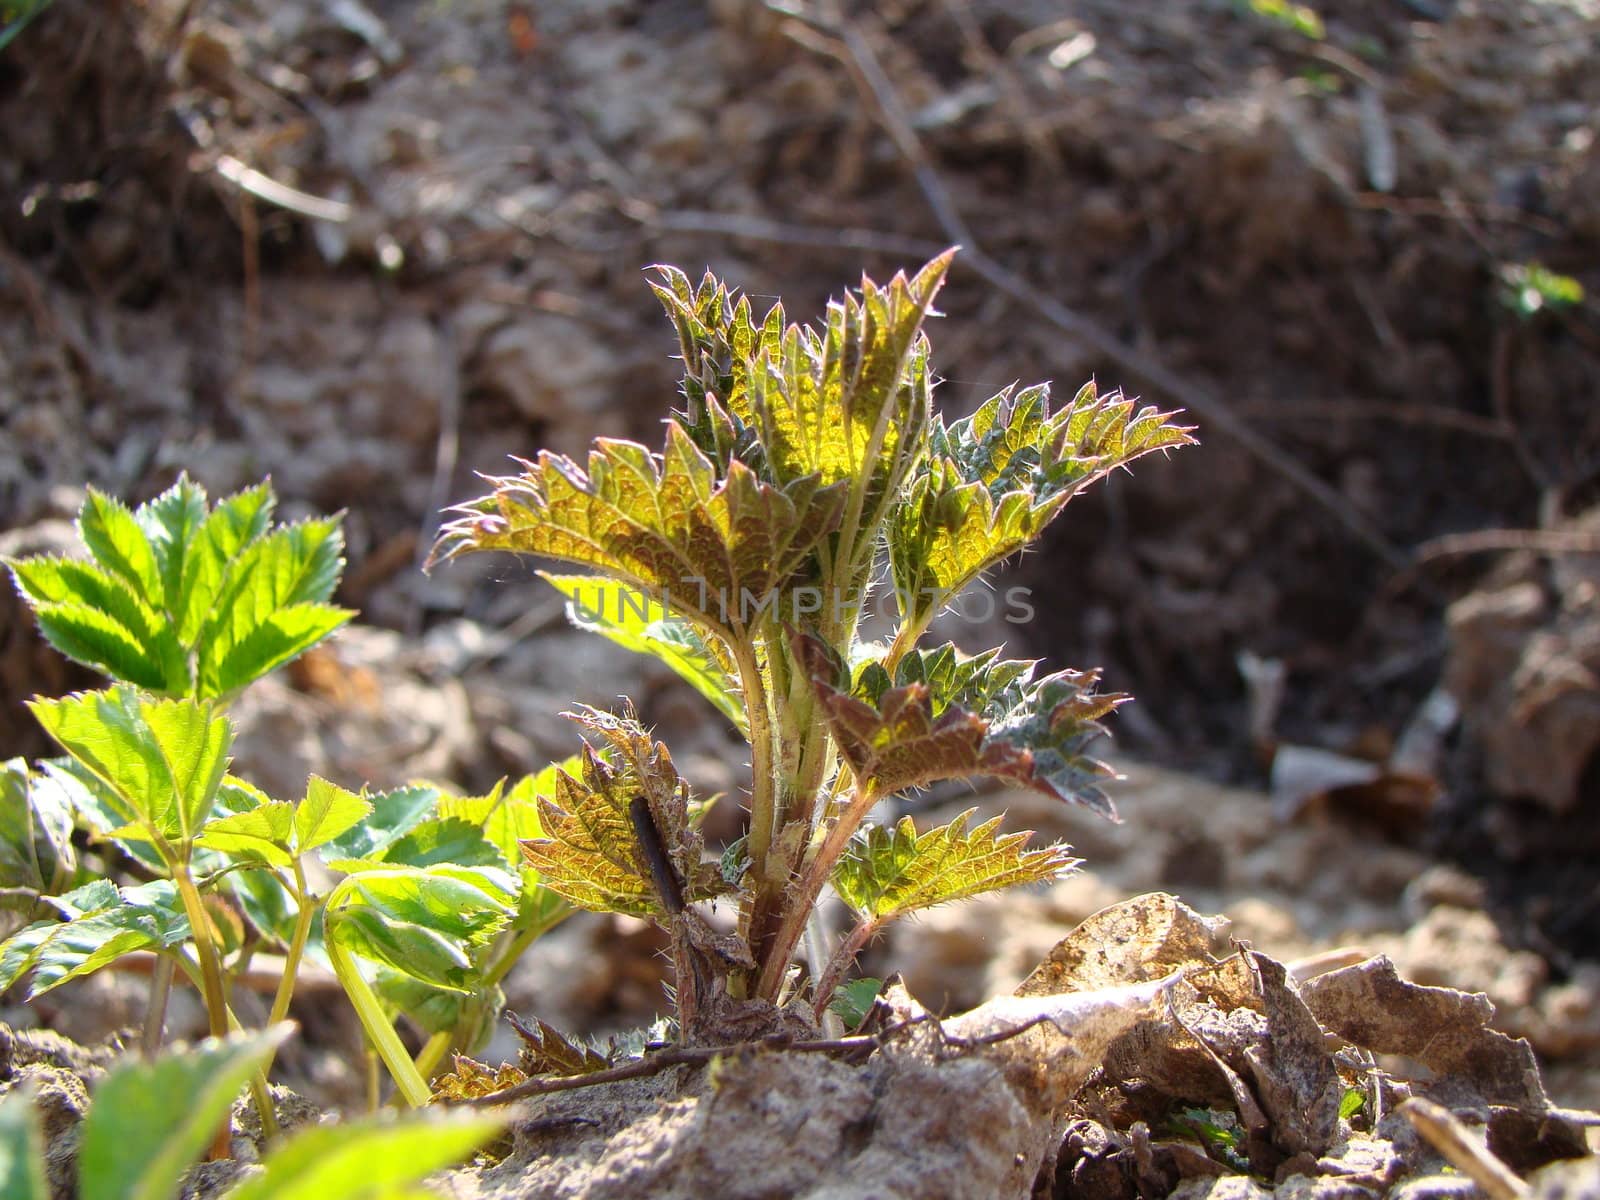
[[235, 523], [947, 720], [994, 480], [419, 921], [97, 640], [21, 1147], [327, 812], [170, 523], [119, 545], [848, 403], [377, 1158], [394, 813], [889, 871], [547, 1051], [262, 832], [98, 619], [150, 1120], [590, 854], [635, 622], [148, 917], [716, 550], [277, 638], [444, 840], [163, 760]]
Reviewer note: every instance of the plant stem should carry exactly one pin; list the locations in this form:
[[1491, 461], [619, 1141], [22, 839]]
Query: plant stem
[[297, 945], [852, 945], [379, 1032], [155, 1021], [803, 898], [210, 975], [428, 1058]]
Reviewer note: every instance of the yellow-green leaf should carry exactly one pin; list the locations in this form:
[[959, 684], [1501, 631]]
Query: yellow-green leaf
[[325, 813], [889, 871], [634, 621]]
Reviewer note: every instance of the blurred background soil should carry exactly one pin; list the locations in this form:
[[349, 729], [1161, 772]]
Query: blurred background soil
[[374, 247]]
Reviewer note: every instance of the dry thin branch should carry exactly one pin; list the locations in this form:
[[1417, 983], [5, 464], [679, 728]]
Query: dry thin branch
[[1484, 541], [1450, 1138], [264, 187], [853, 49], [853, 1049]]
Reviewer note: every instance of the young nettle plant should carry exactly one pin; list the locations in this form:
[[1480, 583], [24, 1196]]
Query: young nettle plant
[[806, 467]]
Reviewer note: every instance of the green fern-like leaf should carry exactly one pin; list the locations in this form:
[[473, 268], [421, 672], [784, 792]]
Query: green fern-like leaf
[[890, 871], [186, 600], [945, 717], [995, 479]]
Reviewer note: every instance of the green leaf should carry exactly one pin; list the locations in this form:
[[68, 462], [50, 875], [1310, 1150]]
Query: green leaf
[[262, 832], [231, 526], [119, 545], [367, 1159], [590, 854], [889, 871], [445, 840], [98, 619], [994, 480], [420, 921], [1352, 1102], [277, 638], [716, 550], [162, 759], [327, 812], [394, 814], [170, 523], [147, 917], [848, 403], [946, 718], [853, 1001], [36, 849], [21, 1148], [634, 621], [150, 1120]]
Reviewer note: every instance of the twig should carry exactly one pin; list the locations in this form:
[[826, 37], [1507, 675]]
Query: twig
[[1450, 1138], [858, 55], [985, 59], [1483, 541], [854, 1049], [264, 187]]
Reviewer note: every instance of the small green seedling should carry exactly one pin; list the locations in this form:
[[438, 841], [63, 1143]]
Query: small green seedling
[[806, 469]]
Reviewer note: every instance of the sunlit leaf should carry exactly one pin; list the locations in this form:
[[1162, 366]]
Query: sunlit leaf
[[184, 601], [147, 917], [469, 1079], [444, 840], [634, 621], [150, 1120], [36, 851], [376, 1158], [394, 814], [941, 720], [327, 812], [995, 479], [715, 550], [590, 853], [889, 871], [420, 921], [162, 759]]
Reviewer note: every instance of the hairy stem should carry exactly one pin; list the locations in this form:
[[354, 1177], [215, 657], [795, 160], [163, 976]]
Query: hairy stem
[[776, 961], [843, 957]]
